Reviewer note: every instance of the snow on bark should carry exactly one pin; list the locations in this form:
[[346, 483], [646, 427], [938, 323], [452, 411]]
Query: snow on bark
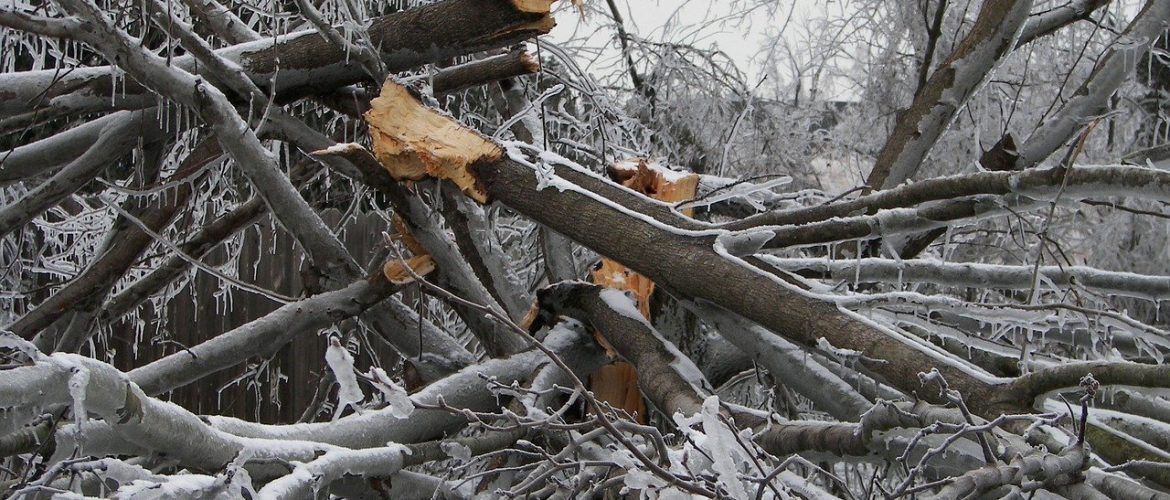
[[341, 364], [395, 396], [954, 82], [975, 274], [1091, 98]]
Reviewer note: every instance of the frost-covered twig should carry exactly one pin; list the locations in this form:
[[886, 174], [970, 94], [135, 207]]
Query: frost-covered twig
[[1082, 181], [1091, 99], [261, 337], [1027, 472], [973, 274]]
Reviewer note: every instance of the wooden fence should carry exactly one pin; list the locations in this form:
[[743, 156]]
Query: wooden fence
[[202, 310]]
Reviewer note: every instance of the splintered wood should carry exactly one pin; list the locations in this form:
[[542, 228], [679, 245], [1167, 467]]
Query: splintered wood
[[535, 6], [397, 273], [617, 383], [414, 142], [421, 263]]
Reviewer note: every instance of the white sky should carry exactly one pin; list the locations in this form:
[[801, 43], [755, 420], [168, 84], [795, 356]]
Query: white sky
[[705, 25]]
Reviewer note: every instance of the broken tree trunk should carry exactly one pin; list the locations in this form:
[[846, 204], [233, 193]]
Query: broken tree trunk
[[617, 383], [689, 258], [650, 238], [302, 63]]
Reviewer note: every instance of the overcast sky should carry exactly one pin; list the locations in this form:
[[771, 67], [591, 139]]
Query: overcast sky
[[705, 25]]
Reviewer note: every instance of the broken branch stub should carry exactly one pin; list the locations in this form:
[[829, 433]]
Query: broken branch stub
[[414, 142], [396, 272], [536, 6]]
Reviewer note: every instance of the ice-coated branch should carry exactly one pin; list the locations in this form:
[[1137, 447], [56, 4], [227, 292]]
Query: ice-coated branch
[[44, 26], [307, 478], [964, 274], [1119, 487], [127, 241], [1092, 97], [303, 63], [872, 435], [198, 245], [1027, 472], [85, 293], [1130, 401], [667, 378], [1081, 181], [261, 337], [788, 363], [98, 389], [1065, 375], [237, 139], [466, 389], [957, 78], [221, 21], [45, 156], [113, 141], [1053, 19]]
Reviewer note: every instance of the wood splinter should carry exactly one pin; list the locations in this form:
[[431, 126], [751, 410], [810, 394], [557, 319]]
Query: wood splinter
[[396, 273], [414, 142]]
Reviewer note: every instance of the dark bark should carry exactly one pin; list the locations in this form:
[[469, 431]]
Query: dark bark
[[501, 67], [655, 360], [993, 36], [308, 64]]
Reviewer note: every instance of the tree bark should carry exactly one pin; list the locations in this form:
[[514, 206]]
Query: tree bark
[[303, 63], [687, 260], [957, 78]]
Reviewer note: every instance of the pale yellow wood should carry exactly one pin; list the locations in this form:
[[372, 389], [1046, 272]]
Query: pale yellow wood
[[396, 273], [413, 142], [617, 383], [534, 6]]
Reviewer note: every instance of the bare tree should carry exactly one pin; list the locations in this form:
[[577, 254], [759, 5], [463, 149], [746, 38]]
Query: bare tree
[[418, 249]]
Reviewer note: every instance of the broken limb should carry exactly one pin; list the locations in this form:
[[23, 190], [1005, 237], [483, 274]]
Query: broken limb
[[695, 267], [308, 63]]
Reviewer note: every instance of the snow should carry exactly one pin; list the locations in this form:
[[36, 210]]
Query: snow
[[456, 450], [341, 363], [723, 447], [622, 304], [334, 464], [395, 395], [78, 384], [744, 243]]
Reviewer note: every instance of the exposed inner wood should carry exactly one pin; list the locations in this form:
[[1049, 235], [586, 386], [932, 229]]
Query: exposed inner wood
[[538, 6], [406, 238], [413, 142], [617, 383], [396, 273]]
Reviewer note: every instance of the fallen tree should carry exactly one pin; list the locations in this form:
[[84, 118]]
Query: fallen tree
[[435, 206]]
